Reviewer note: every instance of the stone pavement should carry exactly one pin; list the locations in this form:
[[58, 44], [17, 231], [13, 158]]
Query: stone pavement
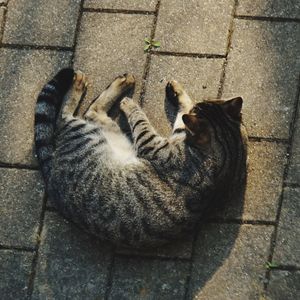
[[217, 49]]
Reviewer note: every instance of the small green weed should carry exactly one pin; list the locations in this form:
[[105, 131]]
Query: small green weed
[[149, 44]]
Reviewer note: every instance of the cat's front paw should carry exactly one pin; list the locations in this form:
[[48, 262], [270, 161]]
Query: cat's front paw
[[126, 104], [173, 91], [80, 82], [123, 83]]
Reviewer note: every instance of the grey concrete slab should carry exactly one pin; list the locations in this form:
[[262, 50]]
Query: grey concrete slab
[[294, 167], [287, 251], [199, 76], [2, 12], [269, 8], [122, 4], [263, 67], [136, 278], [194, 26], [21, 195], [181, 248], [283, 285], [229, 262], [110, 45], [14, 275], [41, 22], [71, 264], [264, 184], [22, 75]]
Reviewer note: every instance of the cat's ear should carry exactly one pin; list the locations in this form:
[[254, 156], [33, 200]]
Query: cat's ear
[[198, 128], [233, 108]]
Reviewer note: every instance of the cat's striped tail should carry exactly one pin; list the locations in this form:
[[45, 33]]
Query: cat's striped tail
[[47, 108]]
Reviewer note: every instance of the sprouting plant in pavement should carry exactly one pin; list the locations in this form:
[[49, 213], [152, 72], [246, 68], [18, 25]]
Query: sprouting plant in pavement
[[149, 44], [271, 265]]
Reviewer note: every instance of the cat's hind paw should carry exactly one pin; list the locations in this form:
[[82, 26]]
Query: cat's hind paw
[[80, 81]]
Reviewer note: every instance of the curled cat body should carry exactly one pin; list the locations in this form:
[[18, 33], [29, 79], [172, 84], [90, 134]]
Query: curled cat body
[[140, 192]]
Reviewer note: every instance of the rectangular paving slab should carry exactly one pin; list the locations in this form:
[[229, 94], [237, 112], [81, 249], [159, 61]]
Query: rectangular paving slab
[[294, 167], [199, 76], [283, 285], [110, 45], [15, 272], [264, 184], [41, 22], [2, 11], [269, 8], [23, 73], [137, 278], [287, 250], [70, 264], [263, 68], [229, 262], [181, 248], [122, 4], [194, 26], [21, 195]]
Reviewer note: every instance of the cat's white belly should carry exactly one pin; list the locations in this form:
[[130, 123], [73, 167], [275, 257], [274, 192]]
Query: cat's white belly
[[121, 148]]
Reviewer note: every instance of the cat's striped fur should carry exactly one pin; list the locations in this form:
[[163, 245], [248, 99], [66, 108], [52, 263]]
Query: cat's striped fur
[[141, 193]]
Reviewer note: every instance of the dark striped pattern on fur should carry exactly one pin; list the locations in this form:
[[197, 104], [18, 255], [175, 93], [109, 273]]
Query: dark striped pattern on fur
[[46, 110], [153, 197]]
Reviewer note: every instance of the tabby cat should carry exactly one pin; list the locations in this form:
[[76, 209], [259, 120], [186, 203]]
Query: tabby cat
[[140, 193]]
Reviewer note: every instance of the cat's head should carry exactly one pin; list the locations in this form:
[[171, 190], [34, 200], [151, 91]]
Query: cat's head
[[208, 118]]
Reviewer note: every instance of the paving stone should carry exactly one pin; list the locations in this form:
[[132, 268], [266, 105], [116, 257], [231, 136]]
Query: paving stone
[[41, 22], [3, 2], [178, 249], [71, 264], [2, 11], [14, 275], [21, 194], [284, 285], [229, 262], [269, 8], [264, 184], [22, 75], [110, 45], [294, 167], [287, 251], [136, 278], [199, 76], [122, 4], [194, 26], [263, 67]]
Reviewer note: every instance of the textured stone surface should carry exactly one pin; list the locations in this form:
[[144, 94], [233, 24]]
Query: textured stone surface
[[264, 183], [3, 2], [284, 285], [122, 4], [269, 8], [22, 75], [71, 264], [41, 22], [110, 45], [194, 26], [262, 67], [199, 76], [21, 194], [229, 262], [178, 249], [294, 167], [14, 275], [136, 278], [2, 10], [287, 250]]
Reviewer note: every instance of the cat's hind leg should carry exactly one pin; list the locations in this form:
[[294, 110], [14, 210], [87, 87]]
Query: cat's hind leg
[[75, 94], [115, 90], [98, 110], [178, 97]]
